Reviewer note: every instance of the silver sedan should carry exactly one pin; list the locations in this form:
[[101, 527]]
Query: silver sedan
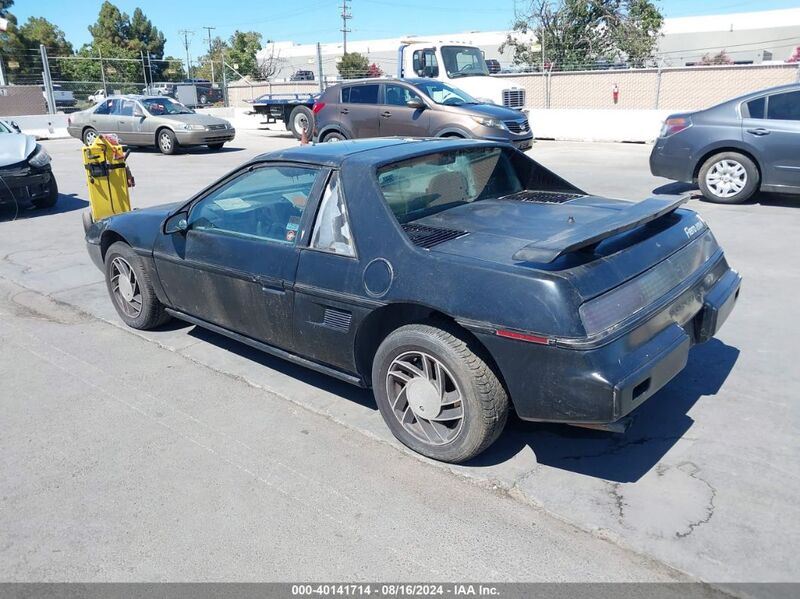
[[150, 121]]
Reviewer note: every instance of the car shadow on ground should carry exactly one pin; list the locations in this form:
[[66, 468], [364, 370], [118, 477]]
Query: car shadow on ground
[[657, 425], [25, 210], [762, 198], [192, 150], [326, 383]]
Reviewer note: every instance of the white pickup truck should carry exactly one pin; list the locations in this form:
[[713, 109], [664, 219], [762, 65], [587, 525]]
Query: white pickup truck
[[63, 98], [461, 65]]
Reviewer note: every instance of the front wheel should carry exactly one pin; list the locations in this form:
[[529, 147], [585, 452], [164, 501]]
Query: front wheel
[[131, 290], [728, 178], [167, 142], [88, 137], [51, 198], [436, 394]]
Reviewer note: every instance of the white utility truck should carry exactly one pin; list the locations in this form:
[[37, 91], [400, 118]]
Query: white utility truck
[[461, 65]]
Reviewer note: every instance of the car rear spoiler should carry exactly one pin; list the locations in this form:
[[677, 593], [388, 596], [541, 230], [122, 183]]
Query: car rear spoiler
[[577, 236]]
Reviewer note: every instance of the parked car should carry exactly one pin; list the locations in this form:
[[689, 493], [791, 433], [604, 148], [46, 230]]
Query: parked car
[[63, 98], [302, 76], [414, 107], [97, 97], [160, 88], [25, 173], [454, 277], [493, 65], [736, 148], [206, 92], [150, 121]]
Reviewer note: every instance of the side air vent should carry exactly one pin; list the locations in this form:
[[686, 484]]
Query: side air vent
[[427, 237], [543, 197], [338, 320]]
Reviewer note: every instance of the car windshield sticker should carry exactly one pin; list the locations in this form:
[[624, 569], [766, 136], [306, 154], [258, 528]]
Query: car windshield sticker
[[292, 227], [232, 203]]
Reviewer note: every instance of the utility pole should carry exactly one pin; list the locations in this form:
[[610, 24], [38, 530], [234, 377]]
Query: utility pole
[[319, 68], [210, 57], [48, 81], [186, 33], [346, 16]]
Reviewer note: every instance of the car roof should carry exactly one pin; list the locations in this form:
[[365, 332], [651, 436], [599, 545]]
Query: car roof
[[376, 150], [137, 97], [761, 92]]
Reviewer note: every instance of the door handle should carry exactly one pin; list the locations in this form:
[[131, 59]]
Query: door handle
[[386, 114], [274, 286], [759, 131], [345, 111]]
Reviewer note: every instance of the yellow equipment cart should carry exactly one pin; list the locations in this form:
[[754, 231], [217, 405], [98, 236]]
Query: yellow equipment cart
[[107, 178]]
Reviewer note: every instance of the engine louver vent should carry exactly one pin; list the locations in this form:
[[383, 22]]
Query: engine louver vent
[[338, 320], [427, 237], [545, 197]]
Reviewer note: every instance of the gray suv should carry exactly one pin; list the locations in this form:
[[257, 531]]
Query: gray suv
[[736, 148], [414, 108]]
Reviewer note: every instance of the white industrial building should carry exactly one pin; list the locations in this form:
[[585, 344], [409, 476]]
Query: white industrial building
[[751, 37]]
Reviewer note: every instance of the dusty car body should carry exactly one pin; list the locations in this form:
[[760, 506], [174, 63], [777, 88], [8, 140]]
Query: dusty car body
[[150, 121], [454, 277]]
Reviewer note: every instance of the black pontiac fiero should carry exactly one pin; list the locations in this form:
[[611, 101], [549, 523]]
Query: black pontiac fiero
[[454, 277]]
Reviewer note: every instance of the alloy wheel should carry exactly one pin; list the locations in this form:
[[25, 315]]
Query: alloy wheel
[[425, 397], [165, 142], [89, 137], [125, 287], [300, 122], [726, 178]]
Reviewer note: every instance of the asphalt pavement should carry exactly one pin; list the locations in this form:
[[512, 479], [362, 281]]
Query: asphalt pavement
[[180, 455]]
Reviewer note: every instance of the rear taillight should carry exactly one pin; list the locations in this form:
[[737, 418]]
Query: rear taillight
[[317, 107], [675, 125]]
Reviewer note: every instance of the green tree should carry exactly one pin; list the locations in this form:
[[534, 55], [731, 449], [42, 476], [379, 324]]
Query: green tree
[[241, 54], [575, 34], [353, 65], [38, 30], [14, 54], [219, 49]]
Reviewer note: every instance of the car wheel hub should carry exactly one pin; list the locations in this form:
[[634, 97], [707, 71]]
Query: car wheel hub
[[425, 398], [726, 178], [125, 287]]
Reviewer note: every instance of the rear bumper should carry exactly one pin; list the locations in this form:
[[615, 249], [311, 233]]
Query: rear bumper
[[671, 160], [603, 384]]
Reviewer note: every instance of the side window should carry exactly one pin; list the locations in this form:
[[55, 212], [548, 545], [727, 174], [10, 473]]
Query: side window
[[105, 107], [266, 203], [755, 108], [345, 95], [125, 108], [784, 107], [332, 230], [398, 95], [361, 94], [424, 63]]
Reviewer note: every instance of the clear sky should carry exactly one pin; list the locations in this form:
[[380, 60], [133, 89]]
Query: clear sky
[[307, 21]]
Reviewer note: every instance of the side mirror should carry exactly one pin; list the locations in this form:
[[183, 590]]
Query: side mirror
[[416, 103], [138, 112], [177, 223]]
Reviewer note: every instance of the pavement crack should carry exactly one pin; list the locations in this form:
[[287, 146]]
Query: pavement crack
[[619, 502], [709, 508]]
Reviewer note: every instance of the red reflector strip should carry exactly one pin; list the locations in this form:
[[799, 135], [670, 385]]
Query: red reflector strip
[[522, 337]]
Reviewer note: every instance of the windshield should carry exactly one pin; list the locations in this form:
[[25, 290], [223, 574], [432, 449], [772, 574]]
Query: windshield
[[5, 128], [441, 93], [160, 106], [464, 61], [430, 184]]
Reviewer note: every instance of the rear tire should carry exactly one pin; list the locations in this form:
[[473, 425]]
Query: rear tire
[[728, 178], [437, 395], [166, 142], [333, 136], [301, 118], [131, 290], [88, 136]]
